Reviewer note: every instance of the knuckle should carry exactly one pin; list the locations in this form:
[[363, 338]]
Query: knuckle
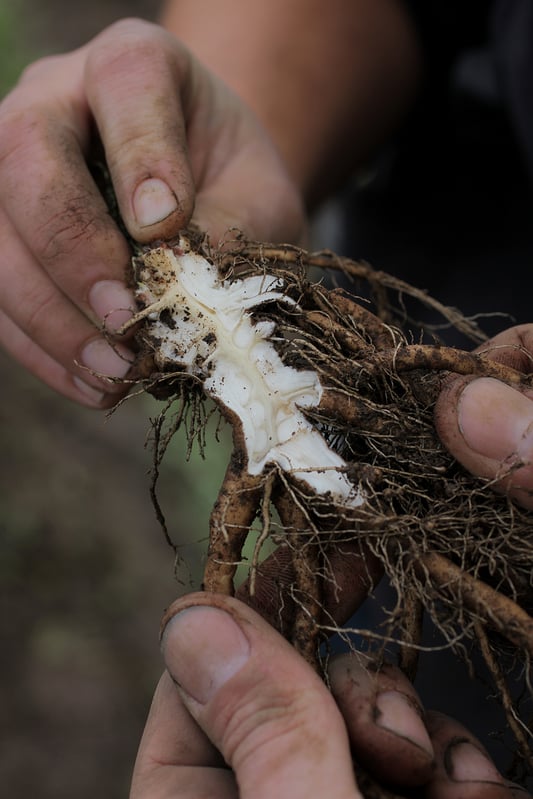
[[126, 27], [278, 721], [136, 145], [142, 153], [66, 229], [39, 69], [126, 43], [20, 129], [41, 307], [68, 211]]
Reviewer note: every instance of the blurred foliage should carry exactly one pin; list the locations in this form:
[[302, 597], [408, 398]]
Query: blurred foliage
[[14, 53]]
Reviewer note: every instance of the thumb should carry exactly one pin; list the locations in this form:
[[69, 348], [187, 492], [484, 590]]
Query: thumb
[[488, 425], [259, 702]]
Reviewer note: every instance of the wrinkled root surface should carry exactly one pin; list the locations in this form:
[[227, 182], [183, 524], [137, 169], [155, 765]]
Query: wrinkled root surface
[[331, 406]]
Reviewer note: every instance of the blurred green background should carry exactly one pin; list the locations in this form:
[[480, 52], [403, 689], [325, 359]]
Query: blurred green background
[[85, 573]]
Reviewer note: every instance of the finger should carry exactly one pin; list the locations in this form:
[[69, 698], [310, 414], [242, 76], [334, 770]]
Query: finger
[[38, 318], [63, 258], [513, 347], [175, 758], [36, 360], [385, 721], [167, 127], [352, 574], [136, 75], [52, 201], [487, 425], [261, 705], [463, 768]]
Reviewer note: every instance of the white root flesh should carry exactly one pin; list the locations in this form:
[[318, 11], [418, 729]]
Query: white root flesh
[[203, 325]]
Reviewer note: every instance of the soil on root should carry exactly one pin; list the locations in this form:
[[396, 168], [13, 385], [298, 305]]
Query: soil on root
[[452, 549]]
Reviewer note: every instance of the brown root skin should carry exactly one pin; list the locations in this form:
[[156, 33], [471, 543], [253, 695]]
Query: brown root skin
[[231, 519], [498, 611], [307, 566], [447, 359], [448, 544]]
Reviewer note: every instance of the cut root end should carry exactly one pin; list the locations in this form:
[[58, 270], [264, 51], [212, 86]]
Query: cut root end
[[451, 548]]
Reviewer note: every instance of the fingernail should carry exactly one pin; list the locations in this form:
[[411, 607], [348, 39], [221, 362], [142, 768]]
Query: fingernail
[[495, 420], [153, 201], [464, 762], [112, 302], [396, 713], [203, 648], [94, 396], [105, 360]]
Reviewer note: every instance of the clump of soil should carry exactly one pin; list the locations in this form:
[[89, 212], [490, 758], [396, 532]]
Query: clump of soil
[[452, 548]]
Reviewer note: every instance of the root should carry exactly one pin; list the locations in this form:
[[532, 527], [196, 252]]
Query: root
[[231, 519], [420, 356], [496, 610], [265, 530], [336, 377], [380, 281], [349, 340], [412, 633], [306, 563], [522, 734], [359, 316]]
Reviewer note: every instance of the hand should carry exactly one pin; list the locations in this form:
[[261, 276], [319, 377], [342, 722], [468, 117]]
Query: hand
[[175, 139], [487, 425], [239, 714], [402, 745]]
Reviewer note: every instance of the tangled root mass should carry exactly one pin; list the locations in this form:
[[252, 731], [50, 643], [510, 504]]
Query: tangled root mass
[[451, 547]]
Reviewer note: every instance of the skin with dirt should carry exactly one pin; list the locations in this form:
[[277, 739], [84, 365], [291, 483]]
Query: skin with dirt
[[360, 466]]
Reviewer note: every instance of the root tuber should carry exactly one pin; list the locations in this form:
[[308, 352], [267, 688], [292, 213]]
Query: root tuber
[[331, 407]]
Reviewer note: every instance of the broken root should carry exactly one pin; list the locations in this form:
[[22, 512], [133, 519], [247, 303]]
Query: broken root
[[331, 406]]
